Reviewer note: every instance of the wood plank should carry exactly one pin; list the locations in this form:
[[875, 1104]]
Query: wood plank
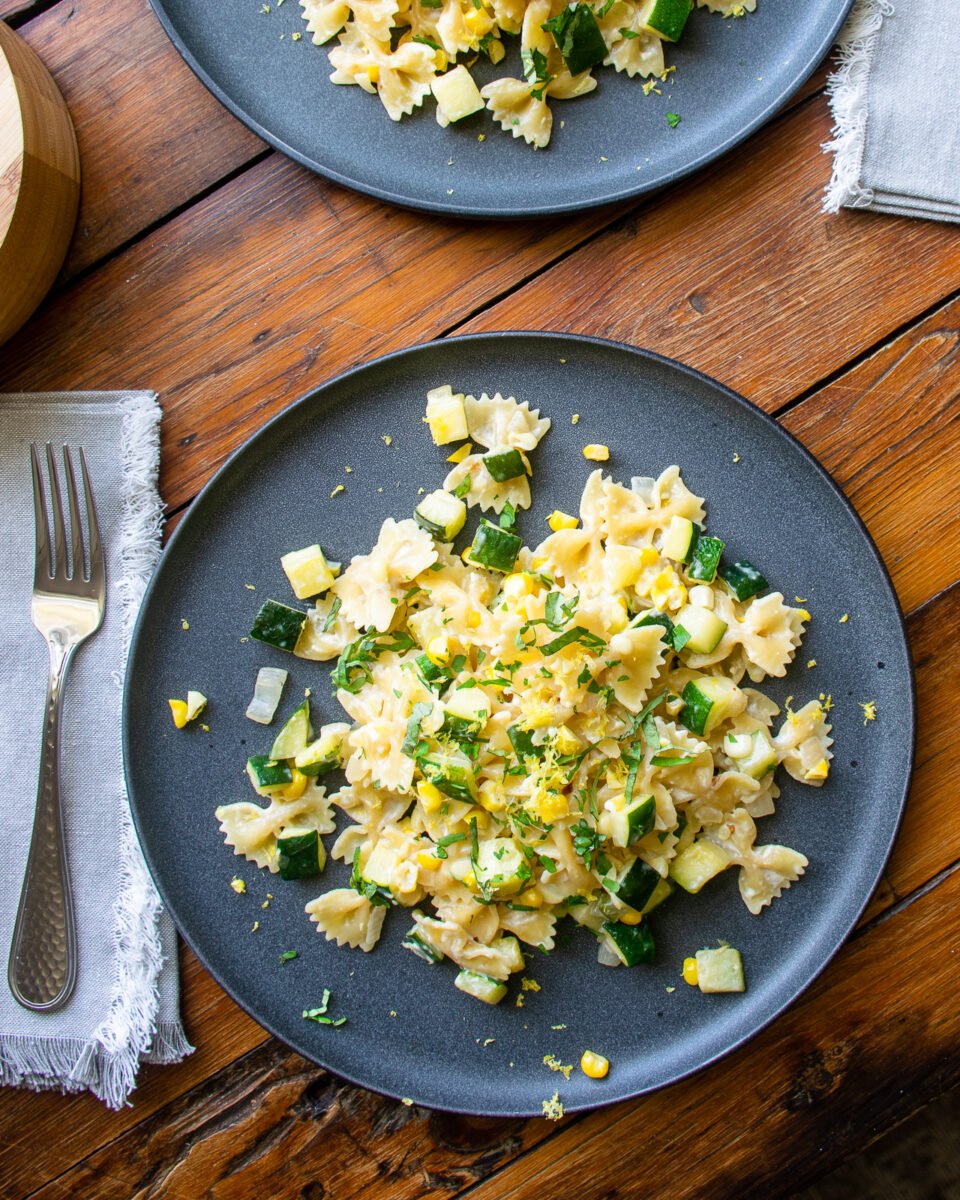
[[35, 1153], [761, 289], [262, 290], [927, 441], [150, 134], [807, 1089], [41, 1131], [888, 433], [822, 1079]]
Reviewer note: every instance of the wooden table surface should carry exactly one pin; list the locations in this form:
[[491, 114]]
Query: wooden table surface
[[211, 269]]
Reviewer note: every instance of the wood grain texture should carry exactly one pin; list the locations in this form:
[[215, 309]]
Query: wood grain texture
[[262, 290], [39, 181], [151, 136], [793, 1098], [37, 1149], [759, 287]]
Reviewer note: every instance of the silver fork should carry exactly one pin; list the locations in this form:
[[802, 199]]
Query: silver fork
[[67, 608]]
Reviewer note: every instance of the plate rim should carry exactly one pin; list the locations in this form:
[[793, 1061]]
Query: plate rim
[[843, 933], [451, 209]]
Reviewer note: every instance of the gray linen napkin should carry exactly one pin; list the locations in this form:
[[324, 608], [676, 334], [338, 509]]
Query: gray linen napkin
[[126, 1004], [896, 107]]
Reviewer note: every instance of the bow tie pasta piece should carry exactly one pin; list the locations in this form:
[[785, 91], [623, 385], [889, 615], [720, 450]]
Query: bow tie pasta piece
[[371, 588], [252, 831], [516, 110], [401, 78], [325, 18], [632, 48], [326, 632], [503, 426], [347, 918]]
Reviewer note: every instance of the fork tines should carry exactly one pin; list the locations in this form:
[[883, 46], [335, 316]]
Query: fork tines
[[56, 565]]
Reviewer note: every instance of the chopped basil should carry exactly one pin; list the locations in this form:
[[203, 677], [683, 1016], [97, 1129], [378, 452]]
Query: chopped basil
[[508, 518], [288, 956], [448, 840], [549, 864], [674, 759], [559, 609], [576, 634], [535, 71], [586, 842], [680, 637], [412, 740], [464, 485], [673, 120], [351, 672], [331, 615], [426, 41], [573, 901], [629, 34]]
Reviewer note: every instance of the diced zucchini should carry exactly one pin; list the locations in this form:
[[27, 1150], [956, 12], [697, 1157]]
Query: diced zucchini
[[278, 625], [666, 18], [697, 865], [446, 416], [419, 946], [706, 555], [704, 627], [632, 944], [466, 711], [707, 700], [441, 514], [481, 987], [742, 578], [663, 891], [624, 826], [267, 775], [501, 867], [578, 36], [753, 753], [308, 571], [300, 853], [720, 970], [507, 946], [637, 884], [295, 734], [324, 754], [451, 774], [494, 548], [456, 94], [508, 465], [678, 539]]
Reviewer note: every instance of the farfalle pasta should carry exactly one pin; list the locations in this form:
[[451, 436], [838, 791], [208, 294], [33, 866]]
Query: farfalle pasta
[[404, 50], [533, 732]]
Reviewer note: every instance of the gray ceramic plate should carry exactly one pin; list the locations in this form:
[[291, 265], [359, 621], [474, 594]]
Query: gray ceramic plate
[[775, 506], [731, 76]]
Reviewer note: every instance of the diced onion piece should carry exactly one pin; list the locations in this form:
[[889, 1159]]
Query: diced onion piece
[[606, 956], [266, 694]]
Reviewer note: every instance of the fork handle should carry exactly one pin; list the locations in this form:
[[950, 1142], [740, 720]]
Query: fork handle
[[43, 958]]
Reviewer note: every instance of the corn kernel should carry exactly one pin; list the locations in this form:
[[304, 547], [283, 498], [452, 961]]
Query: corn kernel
[[648, 556], [490, 797], [478, 21], [551, 806], [518, 585], [473, 620], [630, 917], [539, 562], [459, 455], [560, 520], [438, 650], [428, 861], [297, 786], [820, 771], [441, 60], [593, 1065], [470, 880], [690, 974], [532, 898], [178, 709], [495, 52], [430, 796], [596, 452], [373, 73]]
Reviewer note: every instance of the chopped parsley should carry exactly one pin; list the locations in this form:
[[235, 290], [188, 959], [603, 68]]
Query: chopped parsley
[[331, 615], [288, 956], [673, 120]]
